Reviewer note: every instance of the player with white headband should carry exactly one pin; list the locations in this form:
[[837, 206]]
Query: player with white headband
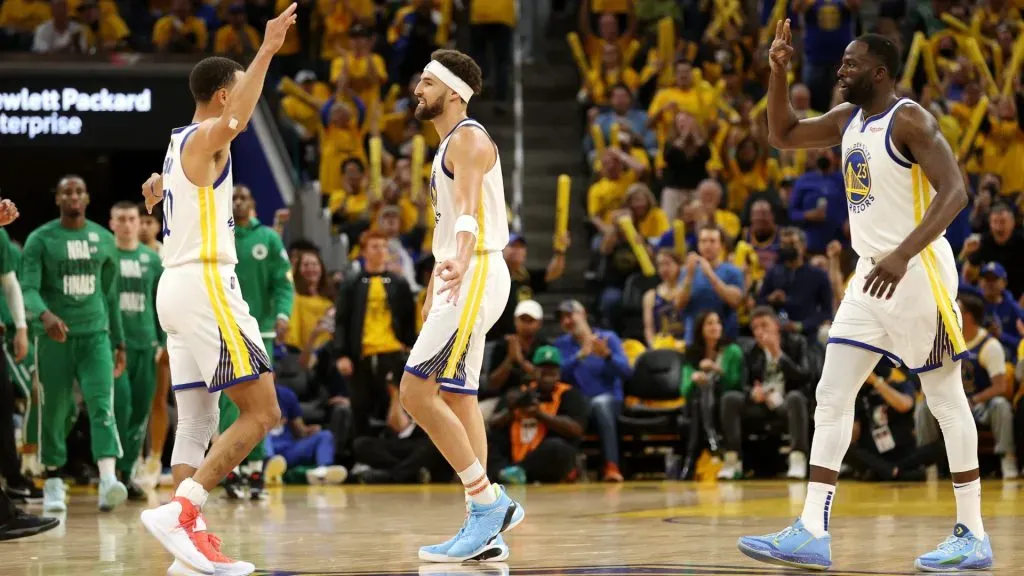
[[442, 374]]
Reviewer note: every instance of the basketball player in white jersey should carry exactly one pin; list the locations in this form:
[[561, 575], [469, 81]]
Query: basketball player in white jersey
[[213, 342], [467, 293], [903, 189]]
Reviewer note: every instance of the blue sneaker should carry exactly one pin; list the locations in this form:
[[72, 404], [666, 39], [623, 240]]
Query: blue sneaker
[[794, 547], [495, 551], [112, 493], [959, 552], [483, 524]]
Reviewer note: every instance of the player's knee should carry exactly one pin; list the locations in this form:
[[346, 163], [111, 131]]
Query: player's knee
[[269, 416], [413, 398]]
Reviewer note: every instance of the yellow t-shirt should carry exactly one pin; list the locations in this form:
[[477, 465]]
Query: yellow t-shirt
[[764, 175], [303, 113], [601, 82], [338, 144], [638, 154], [593, 46], [112, 30], [654, 224], [605, 196], [336, 22], [694, 102], [24, 15], [359, 78], [227, 40], [353, 206], [493, 12], [378, 331], [306, 313], [745, 257], [164, 26]]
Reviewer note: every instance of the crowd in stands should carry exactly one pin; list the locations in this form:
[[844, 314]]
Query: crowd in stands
[[710, 250]]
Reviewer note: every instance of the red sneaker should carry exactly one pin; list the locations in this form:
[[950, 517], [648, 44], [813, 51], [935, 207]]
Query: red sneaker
[[209, 545], [174, 525]]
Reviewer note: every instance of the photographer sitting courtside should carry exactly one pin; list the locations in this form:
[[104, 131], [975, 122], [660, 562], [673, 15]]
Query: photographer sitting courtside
[[536, 430]]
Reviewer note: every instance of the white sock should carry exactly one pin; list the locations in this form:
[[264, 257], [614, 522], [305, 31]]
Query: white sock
[[193, 491], [968, 506], [818, 508], [106, 466], [256, 466], [478, 487]]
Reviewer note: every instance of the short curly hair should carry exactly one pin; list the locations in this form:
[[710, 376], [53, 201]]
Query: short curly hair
[[212, 74], [463, 66]]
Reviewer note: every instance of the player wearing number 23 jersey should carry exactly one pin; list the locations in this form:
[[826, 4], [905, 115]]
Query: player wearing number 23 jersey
[[212, 339]]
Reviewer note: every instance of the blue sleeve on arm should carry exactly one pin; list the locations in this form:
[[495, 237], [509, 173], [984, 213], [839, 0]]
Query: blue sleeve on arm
[[325, 111], [618, 357], [796, 213]]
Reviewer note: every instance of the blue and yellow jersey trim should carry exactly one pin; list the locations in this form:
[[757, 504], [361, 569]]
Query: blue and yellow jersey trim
[[229, 330], [475, 296], [945, 303]]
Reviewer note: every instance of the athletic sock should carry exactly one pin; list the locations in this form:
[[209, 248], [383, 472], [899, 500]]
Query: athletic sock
[[106, 466], [193, 491], [968, 506], [478, 487], [818, 508]]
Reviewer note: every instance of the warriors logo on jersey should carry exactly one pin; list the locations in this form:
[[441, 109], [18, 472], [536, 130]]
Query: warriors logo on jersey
[[857, 178]]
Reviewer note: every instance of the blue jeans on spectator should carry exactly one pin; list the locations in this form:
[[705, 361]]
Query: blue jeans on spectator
[[315, 450], [604, 412]]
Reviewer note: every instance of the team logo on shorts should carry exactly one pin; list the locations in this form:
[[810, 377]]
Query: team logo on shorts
[[259, 251], [857, 179]]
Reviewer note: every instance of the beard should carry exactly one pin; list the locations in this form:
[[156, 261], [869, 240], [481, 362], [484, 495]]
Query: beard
[[858, 91], [428, 111]]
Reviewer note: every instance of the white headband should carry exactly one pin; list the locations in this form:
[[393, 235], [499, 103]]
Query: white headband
[[449, 79]]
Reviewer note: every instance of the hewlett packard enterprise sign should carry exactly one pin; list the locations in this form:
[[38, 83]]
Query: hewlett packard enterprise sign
[[120, 112]]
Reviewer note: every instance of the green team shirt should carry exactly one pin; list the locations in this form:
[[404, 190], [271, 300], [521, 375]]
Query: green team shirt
[[264, 274], [139, 271], [10, 261], [73, 274]]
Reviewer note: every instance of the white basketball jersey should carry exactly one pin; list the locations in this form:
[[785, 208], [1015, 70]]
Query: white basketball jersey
[[198, 221], [887, 194], [492, 217]]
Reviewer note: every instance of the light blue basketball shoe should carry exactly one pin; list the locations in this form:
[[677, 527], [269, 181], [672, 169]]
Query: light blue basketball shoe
[[54, 495], [112, 493], [794, 547], [495, 551], [959, 552], [483, 525]]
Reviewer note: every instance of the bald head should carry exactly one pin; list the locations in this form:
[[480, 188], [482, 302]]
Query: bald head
[[710, 193]]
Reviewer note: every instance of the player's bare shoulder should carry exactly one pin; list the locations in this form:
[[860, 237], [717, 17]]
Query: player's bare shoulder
[[471, 145]]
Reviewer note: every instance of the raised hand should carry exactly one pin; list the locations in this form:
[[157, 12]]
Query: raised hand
[[273, 38], [781, 50], [8, 212], [153, 191]]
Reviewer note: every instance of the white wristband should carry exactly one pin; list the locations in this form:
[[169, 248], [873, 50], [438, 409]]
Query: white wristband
[[467, 223]]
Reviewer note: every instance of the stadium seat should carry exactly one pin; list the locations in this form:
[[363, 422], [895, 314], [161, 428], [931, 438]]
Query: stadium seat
[[653, 414], [631, 317]]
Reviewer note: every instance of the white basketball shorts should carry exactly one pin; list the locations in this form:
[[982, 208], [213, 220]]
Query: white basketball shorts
[[919, 326], [212, 340], [450, 347]]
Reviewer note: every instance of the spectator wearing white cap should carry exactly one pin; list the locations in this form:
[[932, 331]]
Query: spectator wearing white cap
[[510, 365], [526, 281]]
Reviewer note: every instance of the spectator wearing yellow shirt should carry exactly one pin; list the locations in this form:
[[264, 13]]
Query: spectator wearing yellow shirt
[[340, 139], [1004, 145], [750, 171], [611, 72], [288, 58], [632, 156], [304, 109], [682, 97], [180, 31], [349, 205], [20, 18], [106, 30], [492, 23], [312, 319], [709, 192], [236, 39], [606, 195], [335, 19], [608, 33], [367, 72], [648, 218]]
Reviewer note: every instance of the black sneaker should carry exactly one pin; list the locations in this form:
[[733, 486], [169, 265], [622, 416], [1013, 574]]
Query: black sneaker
[[234, 487], [23, 525], [23, 490], [135, 492], [256, 487]]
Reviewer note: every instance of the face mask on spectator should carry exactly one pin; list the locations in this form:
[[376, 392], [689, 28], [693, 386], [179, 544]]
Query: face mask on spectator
[[788, 254], [824, 163]]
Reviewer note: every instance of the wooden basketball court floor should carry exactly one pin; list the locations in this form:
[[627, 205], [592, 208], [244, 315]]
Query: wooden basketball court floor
[[636, 529]]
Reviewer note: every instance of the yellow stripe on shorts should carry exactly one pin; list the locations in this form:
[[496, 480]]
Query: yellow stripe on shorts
[[215, 286], [475, 296], [930, 263]]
